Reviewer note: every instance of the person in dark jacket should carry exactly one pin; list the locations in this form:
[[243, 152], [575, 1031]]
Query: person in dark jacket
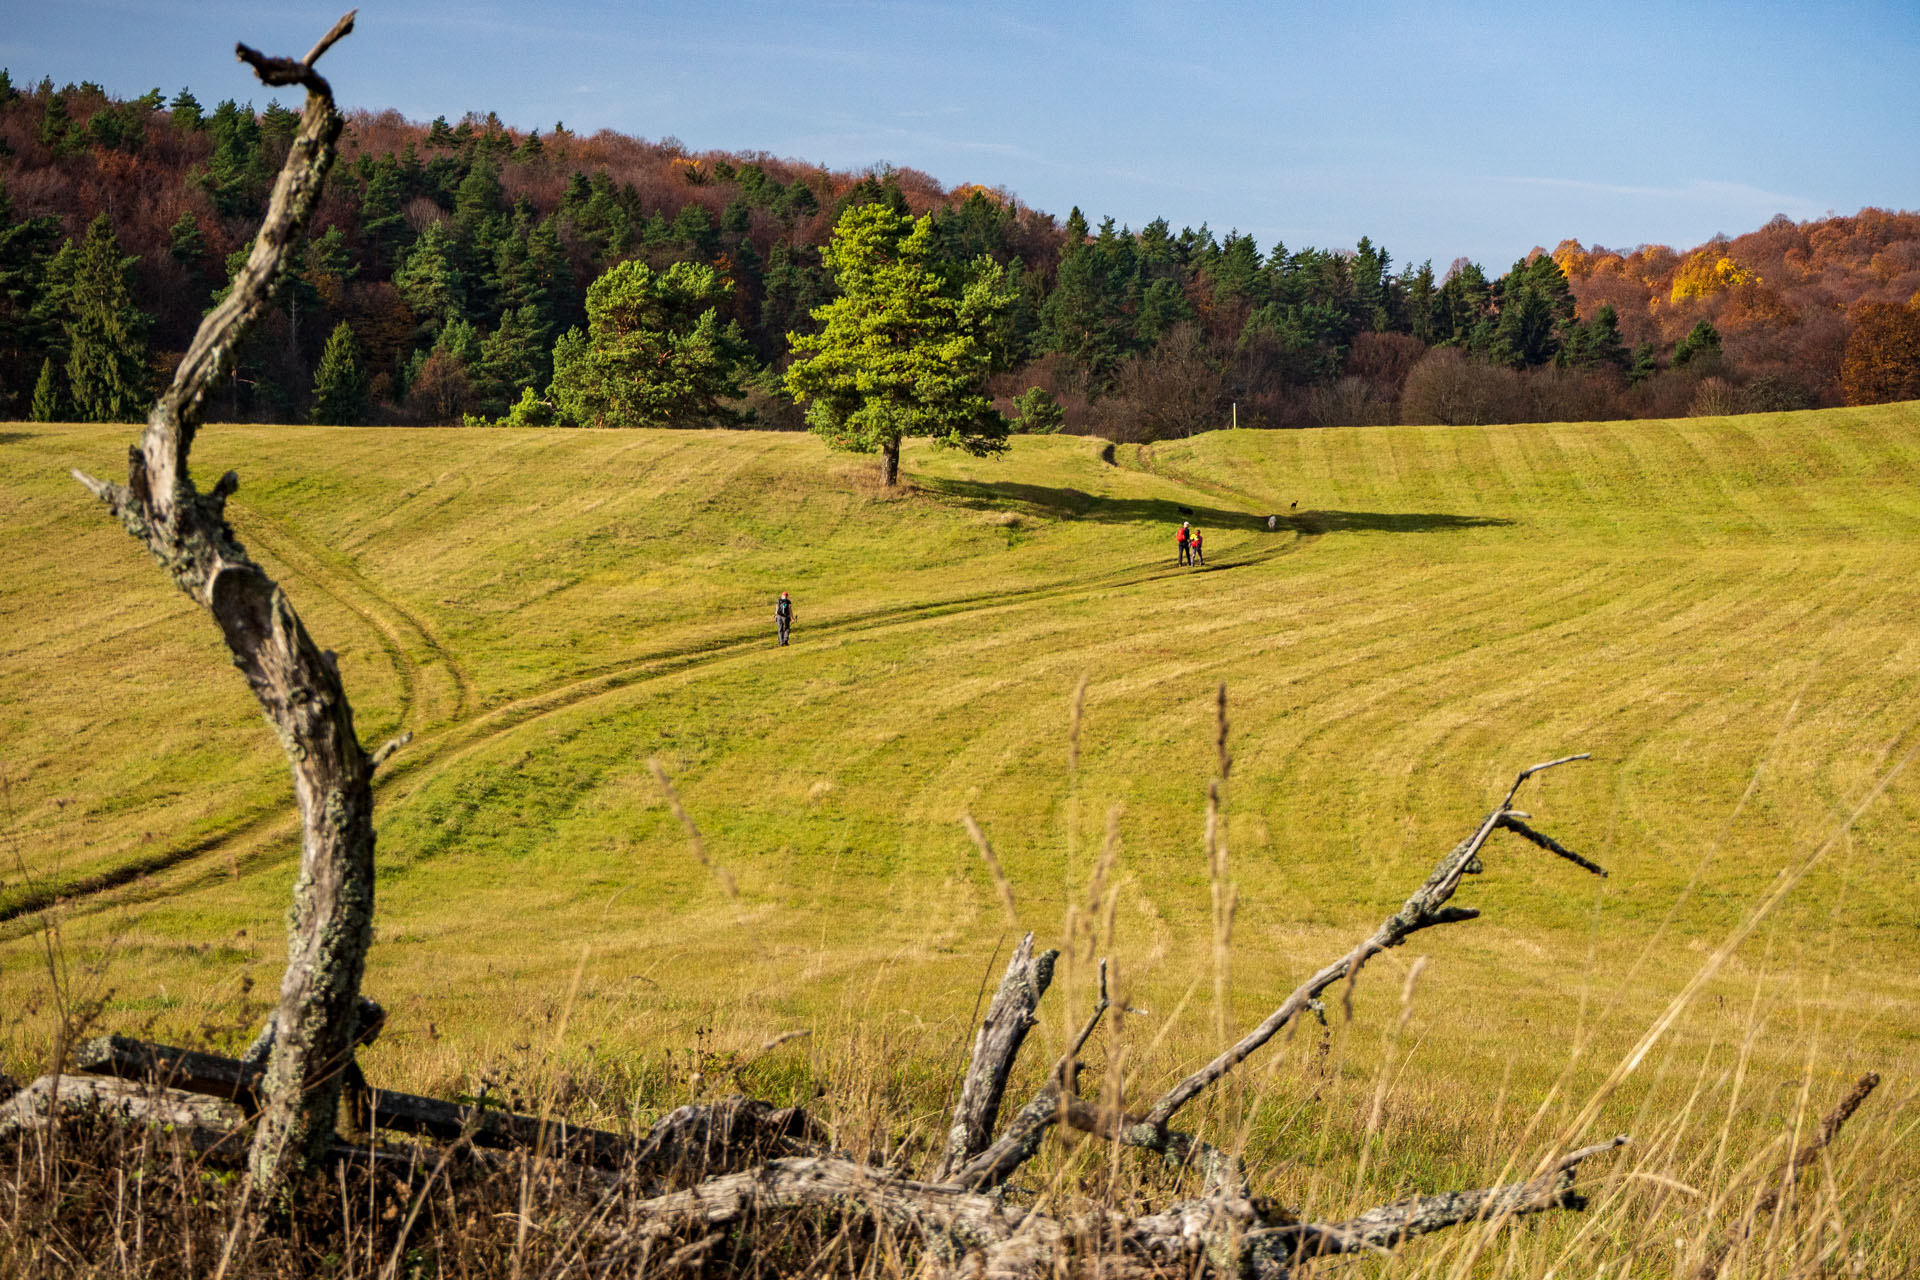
[[783, 616], [1180, 541]]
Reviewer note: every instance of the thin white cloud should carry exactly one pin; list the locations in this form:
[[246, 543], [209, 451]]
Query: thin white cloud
[[1704, 191]]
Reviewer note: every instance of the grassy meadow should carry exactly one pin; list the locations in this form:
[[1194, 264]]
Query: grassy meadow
[[1725, 612]]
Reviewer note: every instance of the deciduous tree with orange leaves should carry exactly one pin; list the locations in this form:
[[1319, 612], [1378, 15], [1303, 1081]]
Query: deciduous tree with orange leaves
[[1882, 363]]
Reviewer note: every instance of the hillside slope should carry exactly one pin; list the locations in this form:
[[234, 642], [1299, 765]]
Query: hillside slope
[[1722, 611]]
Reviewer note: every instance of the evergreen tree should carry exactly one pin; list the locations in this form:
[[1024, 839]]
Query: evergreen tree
[[56, 125], [513, 357], [477, 198], [1536, 311], [1644, 364], [655, 352], [1423, 304], [236, 171], [29, 329], [796, 203], [900, 351], [383, 229], [1372, 293], [186, 112], [106, 334], [1038, 413], [278, 124], [1235, 271], [1702, 342], [1597, 342], [431, 283], [46, 395], [339, 386]]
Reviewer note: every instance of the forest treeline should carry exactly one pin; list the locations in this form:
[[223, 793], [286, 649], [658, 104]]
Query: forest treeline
[[469, 271]]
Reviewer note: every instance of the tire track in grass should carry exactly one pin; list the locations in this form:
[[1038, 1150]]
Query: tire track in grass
[[328, 568], [450, 741]]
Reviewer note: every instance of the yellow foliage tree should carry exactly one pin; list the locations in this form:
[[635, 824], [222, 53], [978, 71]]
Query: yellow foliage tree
[[1704, 273]]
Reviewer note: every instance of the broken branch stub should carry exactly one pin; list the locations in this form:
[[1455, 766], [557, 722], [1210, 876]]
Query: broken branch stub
[[298, 687], [995, 1046]]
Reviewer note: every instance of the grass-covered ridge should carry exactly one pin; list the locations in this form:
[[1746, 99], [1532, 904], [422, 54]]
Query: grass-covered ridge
[[1722, 611]]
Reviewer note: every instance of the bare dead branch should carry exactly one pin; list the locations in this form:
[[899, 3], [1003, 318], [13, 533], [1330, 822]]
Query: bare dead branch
[[381, 756], [1789, 1173], [296, 684], [1392, 1224], [1425, 909], [1513, 823], [1066, 1071], [995, 1046]]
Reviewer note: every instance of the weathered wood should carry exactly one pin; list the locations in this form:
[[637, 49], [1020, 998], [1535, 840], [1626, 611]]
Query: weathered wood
[[297, 685], [208, 1122], [1789, 1173], [1424, 909], [995, 1046], [1392, 1224], [693, 1140], [185, 1070]]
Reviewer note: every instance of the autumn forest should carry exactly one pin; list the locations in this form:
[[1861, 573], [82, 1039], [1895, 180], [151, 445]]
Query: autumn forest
[[451, 276]]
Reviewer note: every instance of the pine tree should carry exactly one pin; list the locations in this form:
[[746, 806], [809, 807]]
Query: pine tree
[[1602, 343], [655, 353], [901, 350], [1643, 364], [383, 228], [339, 386], [106, 334], [46, 395], [29, 328], [1702, 342], [186, 112], [430, 283], [57, 132]]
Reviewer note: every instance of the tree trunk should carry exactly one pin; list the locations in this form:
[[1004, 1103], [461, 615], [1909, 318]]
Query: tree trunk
[[890, 462], [297, 684]]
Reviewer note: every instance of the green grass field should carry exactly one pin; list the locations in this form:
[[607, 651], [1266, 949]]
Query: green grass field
[[1723, 611]]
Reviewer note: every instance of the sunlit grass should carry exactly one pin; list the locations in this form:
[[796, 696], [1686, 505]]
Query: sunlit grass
[[1722, 611]]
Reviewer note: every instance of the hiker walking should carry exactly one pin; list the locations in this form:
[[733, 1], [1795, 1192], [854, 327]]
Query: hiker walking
[[1193, 546], [783, 616], [1183, 541]]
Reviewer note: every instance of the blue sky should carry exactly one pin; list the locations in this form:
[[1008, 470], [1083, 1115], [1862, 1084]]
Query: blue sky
[[1440, 130]]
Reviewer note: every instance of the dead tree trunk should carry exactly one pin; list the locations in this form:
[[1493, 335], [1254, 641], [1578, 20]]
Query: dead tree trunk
[[297, 684]]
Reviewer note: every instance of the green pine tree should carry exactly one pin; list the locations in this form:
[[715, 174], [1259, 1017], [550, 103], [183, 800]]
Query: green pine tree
[[901, 351], [46, 395], [1702, 342], [1038, 413], [1643, 364], [655, 353], [339, 385], [106, 334], [186, 112]]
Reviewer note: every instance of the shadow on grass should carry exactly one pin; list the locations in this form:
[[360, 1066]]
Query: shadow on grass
[[14, 437], [1074, 504]]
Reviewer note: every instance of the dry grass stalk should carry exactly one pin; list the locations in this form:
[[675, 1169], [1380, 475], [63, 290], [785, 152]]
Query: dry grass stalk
[[695, 841]]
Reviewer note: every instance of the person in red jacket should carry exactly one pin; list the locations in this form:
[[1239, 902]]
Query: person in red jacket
[[1180, 540]]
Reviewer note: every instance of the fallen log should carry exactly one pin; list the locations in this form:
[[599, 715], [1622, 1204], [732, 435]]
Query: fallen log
[[699, 1139]]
